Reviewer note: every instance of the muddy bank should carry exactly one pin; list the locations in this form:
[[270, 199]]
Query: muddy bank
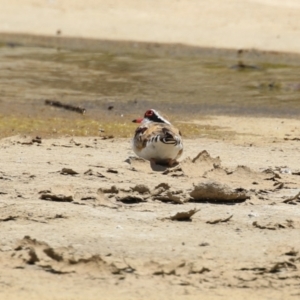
[[114, 88]]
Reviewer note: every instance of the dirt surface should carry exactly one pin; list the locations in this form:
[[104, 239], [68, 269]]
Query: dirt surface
[[81, 217]]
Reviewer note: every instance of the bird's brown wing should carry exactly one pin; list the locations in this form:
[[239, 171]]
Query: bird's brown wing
[[156, 131]]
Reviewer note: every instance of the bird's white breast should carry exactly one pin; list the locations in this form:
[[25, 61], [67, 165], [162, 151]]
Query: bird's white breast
[[158, 150]]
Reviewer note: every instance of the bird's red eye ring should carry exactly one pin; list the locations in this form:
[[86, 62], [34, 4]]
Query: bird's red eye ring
[[149, 113]]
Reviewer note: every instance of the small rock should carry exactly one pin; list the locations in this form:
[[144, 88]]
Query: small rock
[[163, 185], [184, 216], [175, 197], [214, 191], [110, 170], [37, 140], [141, 189], [112, 190], [130, 199], [67, 171], [204, 244], [107, 137], [158, 191], [224, 220], [88, 172], [171, 196], [56, 197]]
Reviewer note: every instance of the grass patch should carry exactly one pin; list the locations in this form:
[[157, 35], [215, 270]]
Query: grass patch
[[59, 126]]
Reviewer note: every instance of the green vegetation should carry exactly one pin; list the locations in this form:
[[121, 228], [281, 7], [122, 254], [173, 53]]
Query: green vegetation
[[55, 127]]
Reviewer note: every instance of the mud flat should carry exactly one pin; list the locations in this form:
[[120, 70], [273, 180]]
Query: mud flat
[[81, 217]]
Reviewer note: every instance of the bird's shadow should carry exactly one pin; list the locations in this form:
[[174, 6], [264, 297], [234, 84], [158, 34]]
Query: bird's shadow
[[138, 163], [161, 167]]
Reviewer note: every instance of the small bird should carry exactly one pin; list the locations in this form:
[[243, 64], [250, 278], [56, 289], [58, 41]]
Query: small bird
[[156, 139]]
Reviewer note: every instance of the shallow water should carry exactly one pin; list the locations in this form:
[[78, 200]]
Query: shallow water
[[180, 86]]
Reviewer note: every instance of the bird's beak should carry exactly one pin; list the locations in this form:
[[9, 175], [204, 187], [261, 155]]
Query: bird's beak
[[139, 120]]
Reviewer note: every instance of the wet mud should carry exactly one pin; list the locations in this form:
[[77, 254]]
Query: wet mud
[[112, 86]]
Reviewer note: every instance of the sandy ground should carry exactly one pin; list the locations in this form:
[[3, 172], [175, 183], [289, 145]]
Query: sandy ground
[[272, 25], [82, 218]]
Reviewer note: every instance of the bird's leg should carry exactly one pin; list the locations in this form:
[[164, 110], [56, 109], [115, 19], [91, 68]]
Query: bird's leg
[[171, 162], [152, 161]]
